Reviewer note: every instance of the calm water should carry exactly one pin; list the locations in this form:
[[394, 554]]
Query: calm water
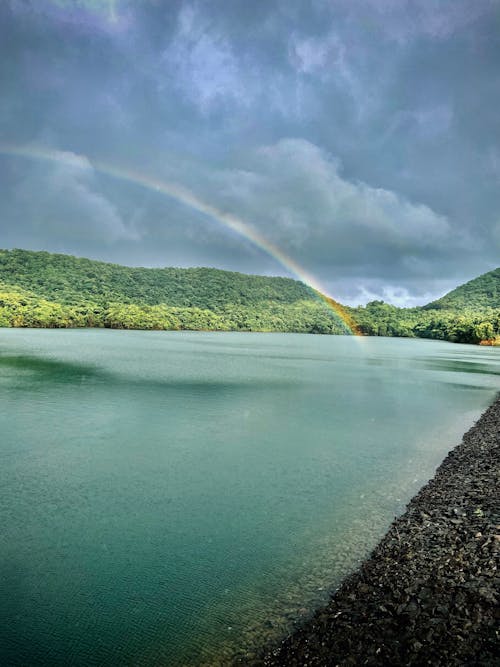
[[169, 498]]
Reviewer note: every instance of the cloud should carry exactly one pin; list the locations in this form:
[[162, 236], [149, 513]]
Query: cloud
[[203, 63], [426, 123], [406, 20], [217, 71], [360, 241], [311, 54], [346, 132], [323, 56], [61, 200], [395, 295], [496, 235], [297, 196], [86, 16]]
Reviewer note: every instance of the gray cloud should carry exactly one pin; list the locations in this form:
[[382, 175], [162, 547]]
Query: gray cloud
[[361, 137], [60, 200], [295, 194], [404, 20], [203, 65]]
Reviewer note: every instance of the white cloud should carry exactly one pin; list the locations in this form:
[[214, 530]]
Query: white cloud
[[396, 296]]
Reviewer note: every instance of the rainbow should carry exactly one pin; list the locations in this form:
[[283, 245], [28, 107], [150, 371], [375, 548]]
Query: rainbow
[[189, 199]]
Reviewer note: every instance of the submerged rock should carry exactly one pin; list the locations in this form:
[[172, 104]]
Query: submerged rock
[[428, 594]]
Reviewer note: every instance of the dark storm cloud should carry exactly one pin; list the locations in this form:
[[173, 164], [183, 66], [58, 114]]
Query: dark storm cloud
[[362, 138]]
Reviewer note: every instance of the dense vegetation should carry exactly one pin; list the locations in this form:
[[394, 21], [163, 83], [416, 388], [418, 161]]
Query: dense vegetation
[[459, 326], [476, 295], [468, 314], [40, 289]]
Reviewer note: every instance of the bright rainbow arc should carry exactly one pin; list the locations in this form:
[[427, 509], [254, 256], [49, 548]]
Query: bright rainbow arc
[[189, 199]]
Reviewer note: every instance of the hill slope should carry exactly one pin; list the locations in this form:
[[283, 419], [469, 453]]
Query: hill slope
[[69, 280], [468, 314], [480, 293], [45, 289], [41, 289]]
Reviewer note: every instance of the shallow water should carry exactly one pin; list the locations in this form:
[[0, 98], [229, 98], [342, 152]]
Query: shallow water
[[172, 498]]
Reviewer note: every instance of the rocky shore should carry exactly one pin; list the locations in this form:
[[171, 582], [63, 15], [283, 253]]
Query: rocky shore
[[429, 592]]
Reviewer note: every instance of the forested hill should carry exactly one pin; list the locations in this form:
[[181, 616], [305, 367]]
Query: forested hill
[[468, 314], [478, 294], [41, 289], [69, 280]]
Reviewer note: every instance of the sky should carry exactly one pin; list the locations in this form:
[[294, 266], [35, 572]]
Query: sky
[[358, 139]]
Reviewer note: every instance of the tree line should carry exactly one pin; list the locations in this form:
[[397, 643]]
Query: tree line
[[467, 326], [40, 289], [19, 308]]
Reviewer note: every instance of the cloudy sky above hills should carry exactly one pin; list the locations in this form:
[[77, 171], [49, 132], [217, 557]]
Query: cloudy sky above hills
[[359, 137]]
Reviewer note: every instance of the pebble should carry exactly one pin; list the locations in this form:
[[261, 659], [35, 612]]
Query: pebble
[[428, 593]]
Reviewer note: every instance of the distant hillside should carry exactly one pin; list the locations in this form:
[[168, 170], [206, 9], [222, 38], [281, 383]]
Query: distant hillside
[[69, 279], [45, 289], [468, 314], [478, 294], [41, 289]]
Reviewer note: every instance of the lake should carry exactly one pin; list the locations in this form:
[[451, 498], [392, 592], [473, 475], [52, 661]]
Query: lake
[[174, 498]]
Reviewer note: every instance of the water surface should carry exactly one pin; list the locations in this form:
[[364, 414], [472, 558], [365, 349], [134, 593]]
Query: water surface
[[170, 498]]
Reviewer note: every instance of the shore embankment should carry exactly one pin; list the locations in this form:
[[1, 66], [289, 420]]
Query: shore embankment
[[429, 592]]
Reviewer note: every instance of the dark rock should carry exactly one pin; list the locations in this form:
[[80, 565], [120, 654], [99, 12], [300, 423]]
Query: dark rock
[[428, 594]]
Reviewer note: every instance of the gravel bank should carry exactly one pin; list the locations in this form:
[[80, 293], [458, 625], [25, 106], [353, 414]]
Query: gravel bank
[[429, 592]]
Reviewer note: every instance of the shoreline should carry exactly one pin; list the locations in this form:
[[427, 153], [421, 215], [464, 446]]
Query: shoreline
[[428, 592]]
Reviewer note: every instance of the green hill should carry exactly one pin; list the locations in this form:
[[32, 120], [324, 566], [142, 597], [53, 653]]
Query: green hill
[[69, 279], [41, 289], [478, 294], [468, 314], [45, 289]]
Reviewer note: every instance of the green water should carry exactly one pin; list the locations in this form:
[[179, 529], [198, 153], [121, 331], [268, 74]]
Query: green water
[[172, 498]]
